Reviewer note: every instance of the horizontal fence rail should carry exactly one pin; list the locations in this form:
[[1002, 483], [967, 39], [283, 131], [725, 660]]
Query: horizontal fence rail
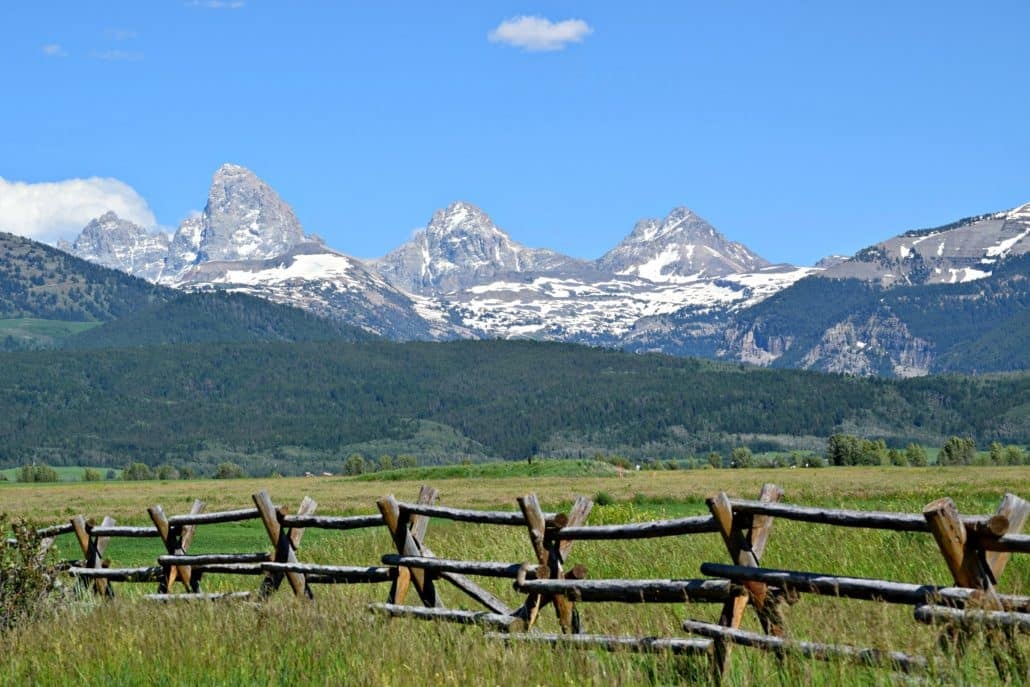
[[641, 530], [481, 517], [877, 520]]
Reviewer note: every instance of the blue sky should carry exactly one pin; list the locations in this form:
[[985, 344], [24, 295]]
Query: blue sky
[[800, 129]]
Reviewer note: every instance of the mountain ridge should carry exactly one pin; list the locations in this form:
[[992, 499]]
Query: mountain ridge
[[673, 284]]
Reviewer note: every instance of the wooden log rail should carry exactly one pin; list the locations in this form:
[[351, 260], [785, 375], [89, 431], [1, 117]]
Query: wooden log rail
[[826, 652], [649, 645], [636, 591], [442, 565], [238, 515], [463, 617], [862, 588], [480, 517], [879, 520], [931, 614], [641, 530], [331, 522], [349, 574]]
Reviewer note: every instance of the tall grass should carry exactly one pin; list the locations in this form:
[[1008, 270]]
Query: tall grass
[[335, 641]]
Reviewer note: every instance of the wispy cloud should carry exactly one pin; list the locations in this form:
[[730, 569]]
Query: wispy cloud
[[539, 34], [120, 34], [217, 4], [116, 55], [59, 209], [54, 50]]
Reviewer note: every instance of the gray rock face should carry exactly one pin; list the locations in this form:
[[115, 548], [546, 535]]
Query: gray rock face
[[119, 244], [959, 252], [244, 219], [681, 246], [461, 247], [879, 345]]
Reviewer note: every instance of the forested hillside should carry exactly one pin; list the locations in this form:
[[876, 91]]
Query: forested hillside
[[505, 399], [42, 282], [215, 318]]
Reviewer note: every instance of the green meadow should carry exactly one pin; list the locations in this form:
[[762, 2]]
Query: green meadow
[[334, 640]]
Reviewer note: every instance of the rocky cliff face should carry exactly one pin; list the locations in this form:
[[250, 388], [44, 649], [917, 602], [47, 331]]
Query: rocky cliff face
[[878, 345], [244, 219], [119, 244]]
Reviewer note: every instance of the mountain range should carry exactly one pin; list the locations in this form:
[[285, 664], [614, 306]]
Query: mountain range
[[673, 285]]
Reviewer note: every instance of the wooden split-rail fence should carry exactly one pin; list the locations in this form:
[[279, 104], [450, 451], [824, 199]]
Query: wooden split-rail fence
[[976, 550]]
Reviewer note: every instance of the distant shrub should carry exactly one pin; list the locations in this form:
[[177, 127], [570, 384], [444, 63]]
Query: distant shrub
[[111, 474], [741, 457], [229, 470], [136, 472], [603, 498], [916, 456], [91, 475], [354, 465], [166, 472], [37, 473], [957, 451], [406, 461]]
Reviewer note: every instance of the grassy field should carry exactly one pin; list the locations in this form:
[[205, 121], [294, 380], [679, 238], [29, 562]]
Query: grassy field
[[66, 473], [335, 641], [28, 331]]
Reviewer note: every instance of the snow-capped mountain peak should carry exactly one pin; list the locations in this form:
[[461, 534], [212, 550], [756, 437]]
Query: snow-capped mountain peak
[[119, 244], [682, 246], [461, 247]]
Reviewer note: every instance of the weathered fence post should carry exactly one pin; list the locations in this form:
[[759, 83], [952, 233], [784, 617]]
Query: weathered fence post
[[176, 542], [744, 550], [551, 554], [407, 545], [283, 544]]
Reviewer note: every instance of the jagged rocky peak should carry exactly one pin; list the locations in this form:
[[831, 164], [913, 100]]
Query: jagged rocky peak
[[120, 244], [245, 219], [683, 245], [460, 247]]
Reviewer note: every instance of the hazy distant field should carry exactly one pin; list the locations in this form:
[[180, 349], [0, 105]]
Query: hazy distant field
[[334, 641]]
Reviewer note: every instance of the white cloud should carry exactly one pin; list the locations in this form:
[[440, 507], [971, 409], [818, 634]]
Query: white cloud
[[54, 50], [538, 34], [48, 211]]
